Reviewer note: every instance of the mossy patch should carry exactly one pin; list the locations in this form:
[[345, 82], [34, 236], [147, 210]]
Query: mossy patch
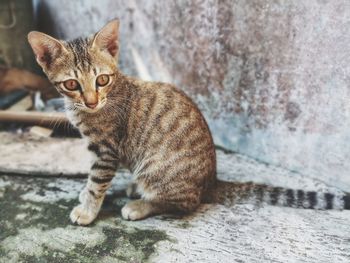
[[45, 215], [120, 245], [49, 222]]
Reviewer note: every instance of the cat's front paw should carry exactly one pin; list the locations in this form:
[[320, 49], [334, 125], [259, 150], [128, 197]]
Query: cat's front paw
[[82, 216], [83, 196]]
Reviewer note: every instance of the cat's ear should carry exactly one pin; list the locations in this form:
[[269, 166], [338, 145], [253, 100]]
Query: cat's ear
[[46, 48], [108, 38]]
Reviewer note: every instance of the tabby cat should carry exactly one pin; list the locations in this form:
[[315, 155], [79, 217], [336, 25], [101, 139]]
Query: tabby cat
[[152, 128]]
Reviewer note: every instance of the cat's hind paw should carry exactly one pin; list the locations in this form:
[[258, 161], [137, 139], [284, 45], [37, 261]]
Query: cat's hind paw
[[136, 210], [82, 216]]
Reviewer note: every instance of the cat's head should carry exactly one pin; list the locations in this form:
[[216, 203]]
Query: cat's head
[[82, 70]]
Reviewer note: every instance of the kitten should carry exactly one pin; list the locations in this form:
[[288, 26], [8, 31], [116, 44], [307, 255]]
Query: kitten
[[152, 128]]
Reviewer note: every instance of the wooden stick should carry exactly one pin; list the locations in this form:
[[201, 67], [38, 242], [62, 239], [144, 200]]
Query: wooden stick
[[48, 119]]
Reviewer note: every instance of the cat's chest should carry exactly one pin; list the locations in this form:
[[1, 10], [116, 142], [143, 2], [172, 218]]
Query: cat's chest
[[85, 125], [86, 130], [73, 118], [102, 133]]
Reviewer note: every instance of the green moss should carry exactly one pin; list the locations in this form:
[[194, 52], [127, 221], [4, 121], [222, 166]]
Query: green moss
[[122, 243], [46, 215], [125, 244]]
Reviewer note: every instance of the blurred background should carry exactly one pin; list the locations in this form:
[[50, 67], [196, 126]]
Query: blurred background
[[271, 77]]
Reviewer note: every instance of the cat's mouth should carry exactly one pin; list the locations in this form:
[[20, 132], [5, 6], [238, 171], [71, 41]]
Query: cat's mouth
[[91, 108]]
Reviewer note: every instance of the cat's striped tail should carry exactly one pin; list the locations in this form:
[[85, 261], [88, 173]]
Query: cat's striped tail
[[229, 193]]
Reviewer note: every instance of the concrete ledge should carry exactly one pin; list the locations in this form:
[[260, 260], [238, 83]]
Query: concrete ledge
[[33, 155]]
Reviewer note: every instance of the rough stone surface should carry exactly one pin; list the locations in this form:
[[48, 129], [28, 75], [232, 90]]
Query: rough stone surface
[[271, 76], [34, 155], [35, 227]]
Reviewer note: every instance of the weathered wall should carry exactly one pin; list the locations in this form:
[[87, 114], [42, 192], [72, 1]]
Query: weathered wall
[[271, 76], [16, 19]]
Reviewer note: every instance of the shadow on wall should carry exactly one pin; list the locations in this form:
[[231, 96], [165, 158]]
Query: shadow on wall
[[271, 77], [44, 19]]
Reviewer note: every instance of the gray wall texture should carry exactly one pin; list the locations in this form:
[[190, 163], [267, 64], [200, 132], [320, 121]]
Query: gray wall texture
[[272, 77]]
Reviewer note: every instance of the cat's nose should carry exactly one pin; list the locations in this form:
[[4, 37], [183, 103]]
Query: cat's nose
[[91, 105]]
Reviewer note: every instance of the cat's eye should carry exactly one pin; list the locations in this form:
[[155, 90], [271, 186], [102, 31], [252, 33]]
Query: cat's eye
[[71, 84], [102, 80]]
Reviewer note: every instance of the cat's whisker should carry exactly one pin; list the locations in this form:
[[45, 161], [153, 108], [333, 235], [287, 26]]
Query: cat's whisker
[[55, 122]]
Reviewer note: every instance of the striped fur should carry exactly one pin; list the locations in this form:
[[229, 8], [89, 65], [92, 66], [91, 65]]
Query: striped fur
[[229, 193], [152, 128]]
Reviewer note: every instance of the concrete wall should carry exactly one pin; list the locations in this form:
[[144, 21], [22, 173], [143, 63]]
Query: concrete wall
[[271, 76]]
